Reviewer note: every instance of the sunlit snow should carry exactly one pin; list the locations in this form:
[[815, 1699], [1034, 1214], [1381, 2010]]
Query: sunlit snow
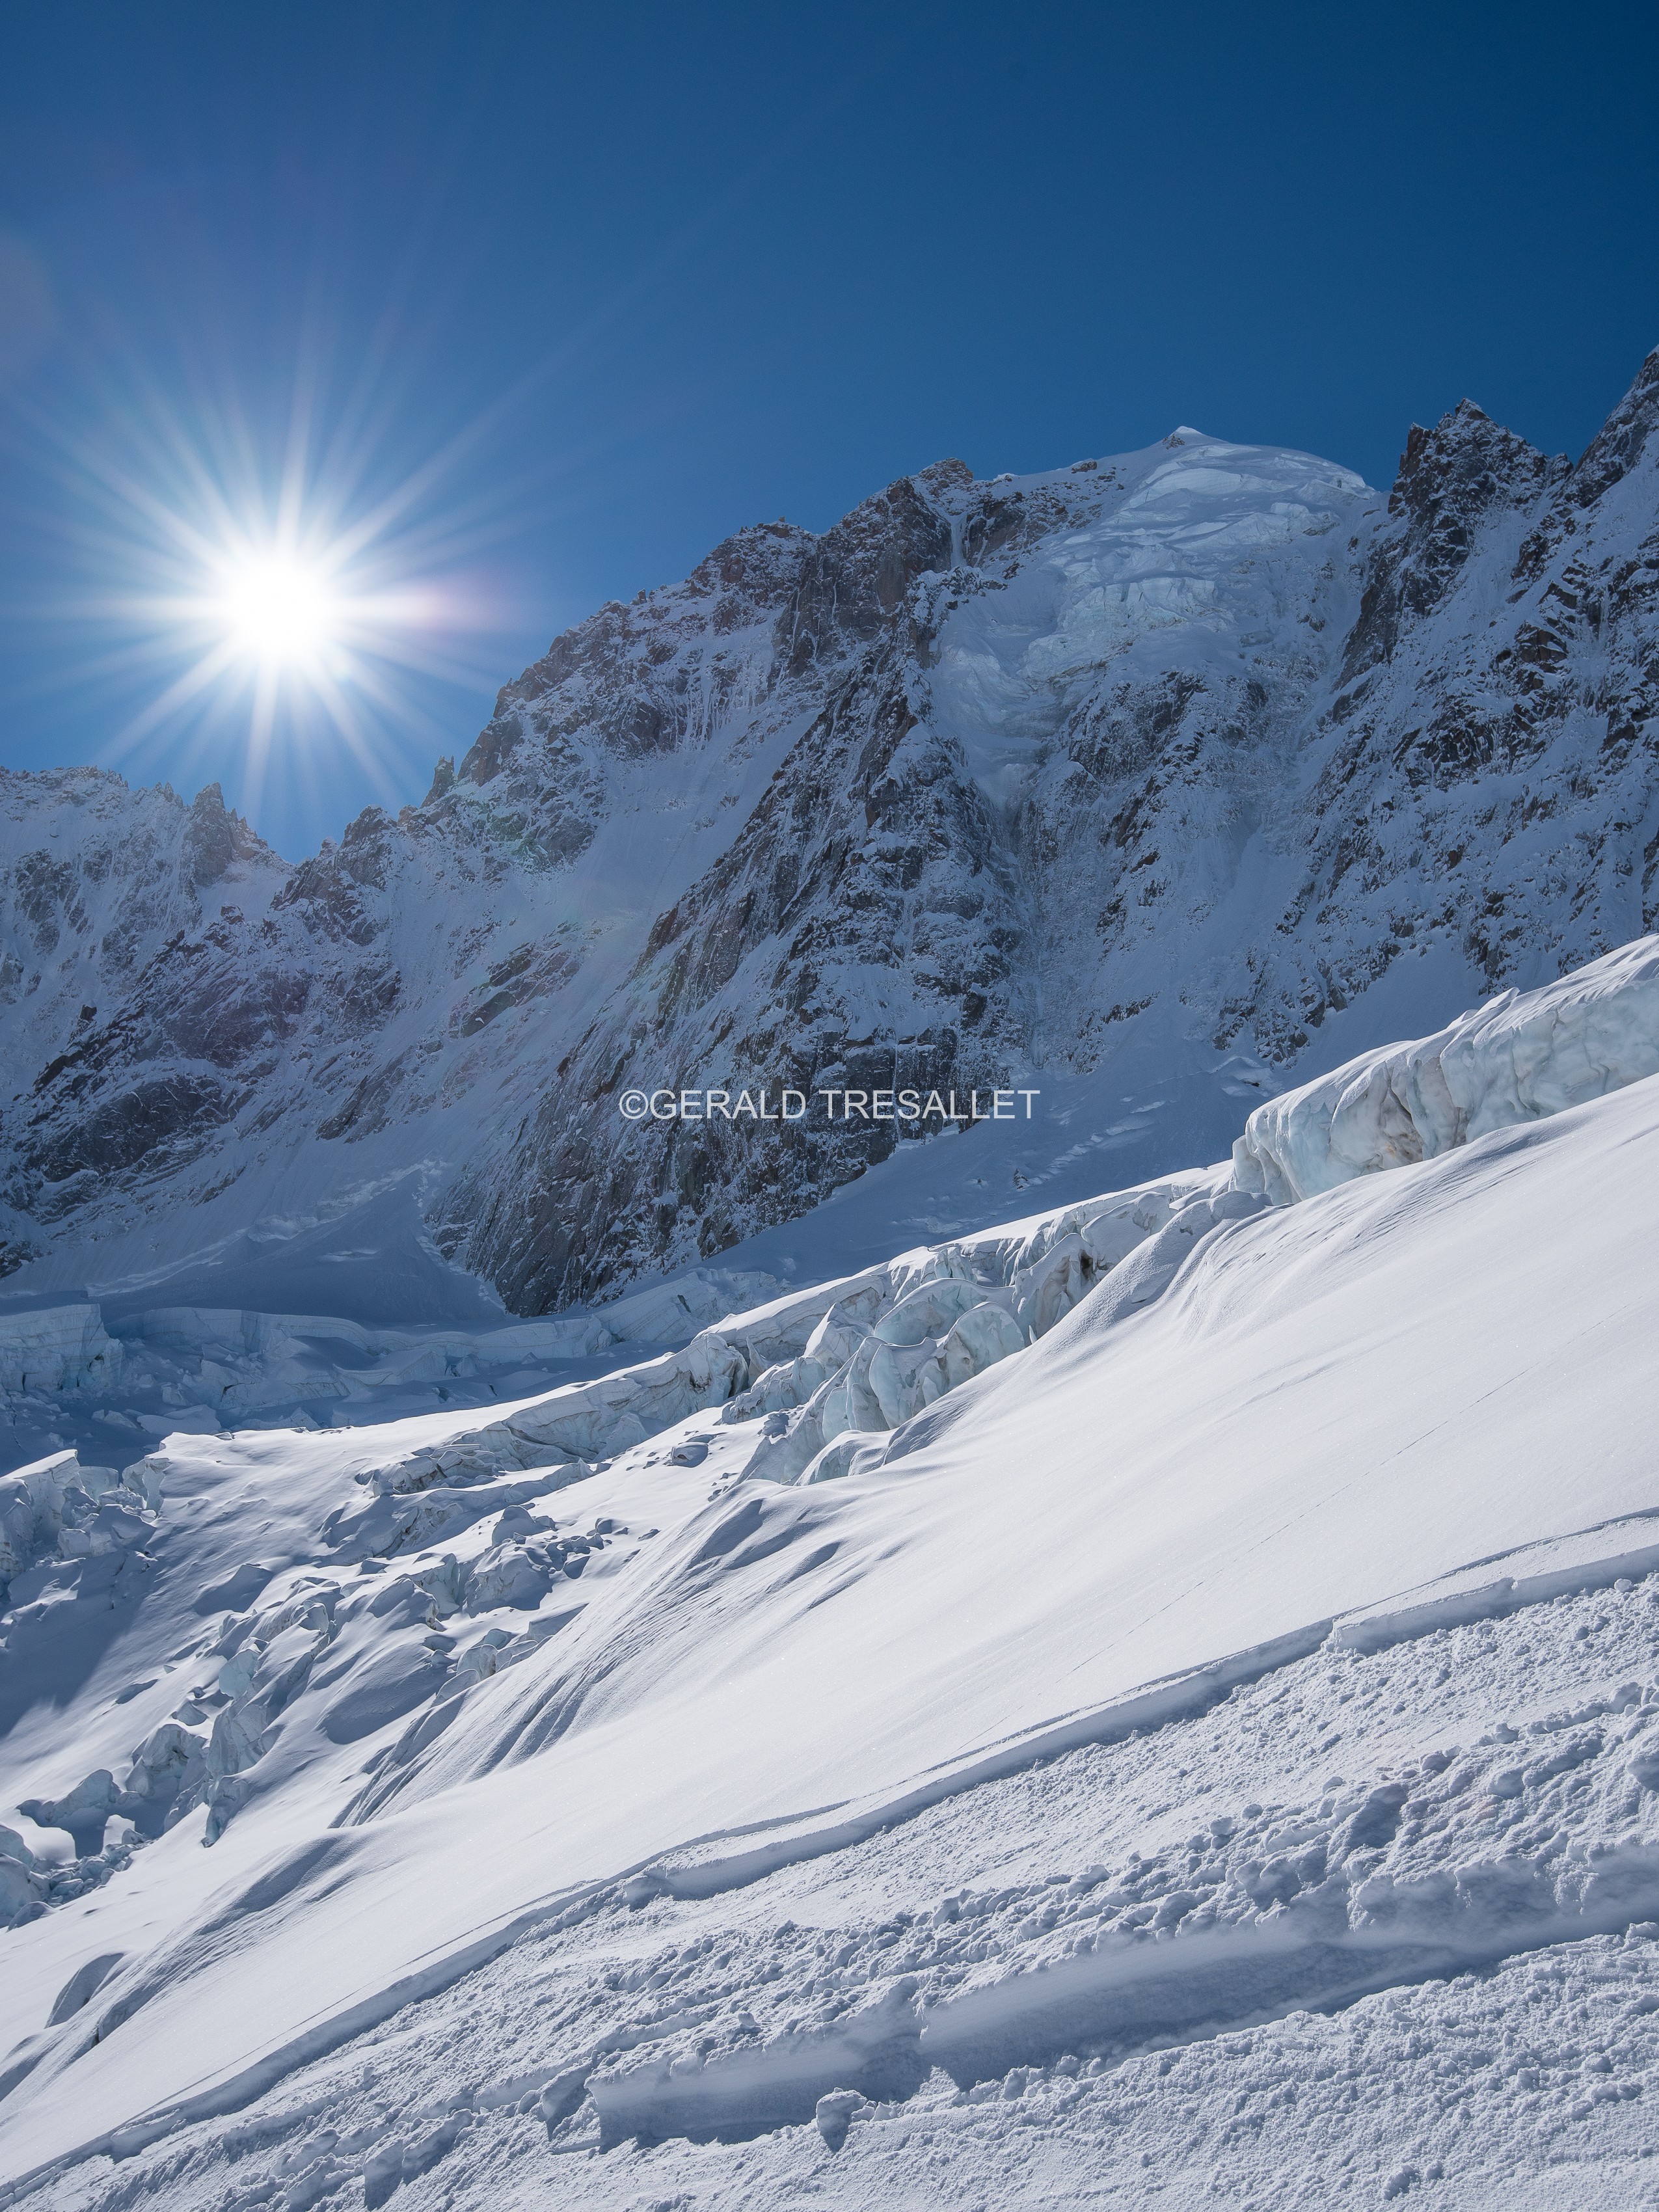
[[903, 1712]]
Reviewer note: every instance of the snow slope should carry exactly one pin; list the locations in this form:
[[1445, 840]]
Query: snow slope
[[1270, 1629]]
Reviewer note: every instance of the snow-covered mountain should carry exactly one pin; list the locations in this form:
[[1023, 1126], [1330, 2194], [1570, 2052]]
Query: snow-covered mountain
[[1157, 1697], [1154, 782], [548, 1658]]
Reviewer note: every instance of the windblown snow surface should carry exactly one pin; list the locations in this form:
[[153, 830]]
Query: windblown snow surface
[[1155, 1701]]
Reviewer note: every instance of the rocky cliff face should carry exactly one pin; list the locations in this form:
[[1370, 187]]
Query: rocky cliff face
[[1189, 751]]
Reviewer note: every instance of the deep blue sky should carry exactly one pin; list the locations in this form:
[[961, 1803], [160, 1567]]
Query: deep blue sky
[[665, 269]]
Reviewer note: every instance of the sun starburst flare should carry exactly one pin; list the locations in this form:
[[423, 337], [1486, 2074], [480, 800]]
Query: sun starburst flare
[[292, 614]]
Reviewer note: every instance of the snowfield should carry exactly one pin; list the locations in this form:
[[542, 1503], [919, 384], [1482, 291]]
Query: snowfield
[[1158, 1699]]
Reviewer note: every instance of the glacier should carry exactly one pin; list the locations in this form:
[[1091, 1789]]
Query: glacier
[[1230, 1672]]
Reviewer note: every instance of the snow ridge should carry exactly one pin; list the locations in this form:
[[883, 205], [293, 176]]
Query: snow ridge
[[1516, 1058]]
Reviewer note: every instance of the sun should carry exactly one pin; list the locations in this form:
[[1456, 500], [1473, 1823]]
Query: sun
[[277, 609], [276, 603]]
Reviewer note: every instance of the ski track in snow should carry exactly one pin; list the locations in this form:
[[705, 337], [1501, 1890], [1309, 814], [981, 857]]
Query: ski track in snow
[[1533, 2072]]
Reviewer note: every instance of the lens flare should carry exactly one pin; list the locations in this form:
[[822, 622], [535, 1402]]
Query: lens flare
[[290, 597]]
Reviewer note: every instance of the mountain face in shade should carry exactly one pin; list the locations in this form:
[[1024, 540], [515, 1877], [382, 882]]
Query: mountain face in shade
[[1154, 782]]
